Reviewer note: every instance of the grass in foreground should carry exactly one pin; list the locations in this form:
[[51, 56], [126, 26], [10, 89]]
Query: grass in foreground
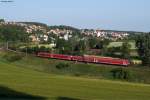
[[30, 84], [98, 71]]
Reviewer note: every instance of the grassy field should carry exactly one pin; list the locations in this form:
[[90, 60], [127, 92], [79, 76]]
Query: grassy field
[[119, 44], [17, 83], [133, 52], [96, 71]]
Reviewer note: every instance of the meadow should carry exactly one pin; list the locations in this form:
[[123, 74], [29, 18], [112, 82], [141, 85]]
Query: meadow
[[18, 83], [97, 71], [119, 44]]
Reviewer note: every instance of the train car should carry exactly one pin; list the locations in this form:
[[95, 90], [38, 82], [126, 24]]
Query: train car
[[43, 54], [104, 60], [87, 59], [77, 58], [60, 56], [113, 61]]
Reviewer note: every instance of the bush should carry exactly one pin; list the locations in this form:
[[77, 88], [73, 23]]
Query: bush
[[12, 57], [36, 49], [120, 73], [62, 65]]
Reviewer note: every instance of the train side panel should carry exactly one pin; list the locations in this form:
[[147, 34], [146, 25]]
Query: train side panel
[[88, 59]]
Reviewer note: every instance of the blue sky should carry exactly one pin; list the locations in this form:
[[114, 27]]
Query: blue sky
[[103, 14]]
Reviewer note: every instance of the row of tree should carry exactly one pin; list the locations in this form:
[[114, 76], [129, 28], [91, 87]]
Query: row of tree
[[120, 52], [13, 33], [80, 45], [143, 45]]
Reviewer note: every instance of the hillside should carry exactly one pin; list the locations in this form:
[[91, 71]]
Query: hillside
[[30, 84], [67, 68]]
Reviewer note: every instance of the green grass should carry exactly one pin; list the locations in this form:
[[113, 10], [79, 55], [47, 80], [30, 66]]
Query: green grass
[[55, 87], [96, 71], [133, 52], [35, 45], [119, 44]]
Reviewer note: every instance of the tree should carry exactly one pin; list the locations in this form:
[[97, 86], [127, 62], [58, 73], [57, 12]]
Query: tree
[[143, 45], [92, 42], [113, 52], [125, 50], [103, 46], [13, 33], [121, 51], [120, 73], [63, 46], [2, 20]]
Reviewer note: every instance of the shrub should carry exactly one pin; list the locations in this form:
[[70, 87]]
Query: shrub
[[120, 73], [62, 65], [12, 57], [35, 49]]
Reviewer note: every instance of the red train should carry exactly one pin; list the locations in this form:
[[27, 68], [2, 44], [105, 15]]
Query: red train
[[87, 59]]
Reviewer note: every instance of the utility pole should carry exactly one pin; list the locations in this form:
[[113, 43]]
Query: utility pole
[[26, 48], [7, 44]]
